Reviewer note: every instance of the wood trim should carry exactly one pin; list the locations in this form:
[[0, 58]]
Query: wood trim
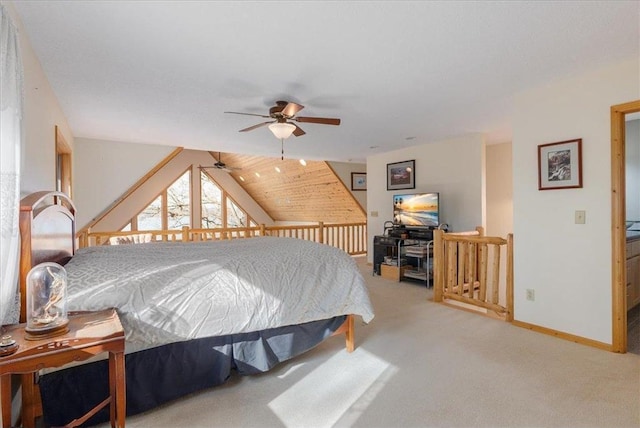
[[62, 146], [195, 199], [618, 235], [510, 314], [164, 208], [348, 189], [64, 164], [132, 189], [561, 335]]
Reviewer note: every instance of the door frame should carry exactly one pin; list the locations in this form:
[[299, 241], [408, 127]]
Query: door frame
[[618, 221]]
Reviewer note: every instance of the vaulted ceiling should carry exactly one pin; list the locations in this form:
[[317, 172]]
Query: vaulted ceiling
[[294, 192], [398, 73]]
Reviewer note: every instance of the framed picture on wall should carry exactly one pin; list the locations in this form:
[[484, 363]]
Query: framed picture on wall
[[401, 175], [560, 165], [358, 181]]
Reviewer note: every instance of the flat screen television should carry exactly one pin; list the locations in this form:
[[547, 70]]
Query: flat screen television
[[417, 210]]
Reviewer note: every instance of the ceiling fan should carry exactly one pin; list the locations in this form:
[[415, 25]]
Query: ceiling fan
[[281, 114], [220, 165]]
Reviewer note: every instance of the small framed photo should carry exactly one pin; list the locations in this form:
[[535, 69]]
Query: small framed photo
[[560, 165], [401, 175], [358, 181]]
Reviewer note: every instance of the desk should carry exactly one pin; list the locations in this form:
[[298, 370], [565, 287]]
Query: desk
[[90, 333]]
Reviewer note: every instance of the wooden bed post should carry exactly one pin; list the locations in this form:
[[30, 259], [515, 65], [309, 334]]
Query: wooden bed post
[[36, 243], [350, 334], [25, 257]]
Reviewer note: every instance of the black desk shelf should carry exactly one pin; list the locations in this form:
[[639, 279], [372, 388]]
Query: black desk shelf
[[416, 251]]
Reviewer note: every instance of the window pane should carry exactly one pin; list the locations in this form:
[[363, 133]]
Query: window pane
[[211, 203], [127, 228], [149, 218], [236, 217], [178, 196], [253, 223]]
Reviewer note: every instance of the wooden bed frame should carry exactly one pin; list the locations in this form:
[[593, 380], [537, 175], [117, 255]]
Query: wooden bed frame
[[47, 233]]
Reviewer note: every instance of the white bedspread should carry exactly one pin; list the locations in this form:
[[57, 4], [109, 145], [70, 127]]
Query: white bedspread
[[167, 292]]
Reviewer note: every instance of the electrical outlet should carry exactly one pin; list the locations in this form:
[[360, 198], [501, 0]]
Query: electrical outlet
[[531, 294], [581, 217]]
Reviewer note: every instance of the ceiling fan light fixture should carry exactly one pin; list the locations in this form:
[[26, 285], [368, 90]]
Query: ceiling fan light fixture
[[282, 130]]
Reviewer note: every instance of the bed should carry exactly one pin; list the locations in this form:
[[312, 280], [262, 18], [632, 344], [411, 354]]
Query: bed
[[192, 312]]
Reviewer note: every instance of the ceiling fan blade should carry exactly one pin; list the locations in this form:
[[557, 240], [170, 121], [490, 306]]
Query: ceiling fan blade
[[291, 109], [298, 131], [321, 120], [251, 128], [247, 114], [220, 167]]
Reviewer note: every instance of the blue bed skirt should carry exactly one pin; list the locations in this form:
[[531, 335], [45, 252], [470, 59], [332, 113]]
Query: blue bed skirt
[[158, 375]]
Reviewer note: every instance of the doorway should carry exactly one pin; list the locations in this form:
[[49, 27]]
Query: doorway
[[618, 219]]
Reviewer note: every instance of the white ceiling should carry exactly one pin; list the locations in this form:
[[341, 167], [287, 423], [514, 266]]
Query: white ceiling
[[396, 73]]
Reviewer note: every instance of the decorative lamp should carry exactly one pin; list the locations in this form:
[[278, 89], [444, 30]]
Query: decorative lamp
[[46, 301], [282, 130]]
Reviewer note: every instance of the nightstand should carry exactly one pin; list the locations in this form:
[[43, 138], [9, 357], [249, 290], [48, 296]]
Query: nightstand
[[90, 333]]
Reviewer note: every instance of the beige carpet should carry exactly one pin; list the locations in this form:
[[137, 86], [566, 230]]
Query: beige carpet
[[633, 330], [424, 364]]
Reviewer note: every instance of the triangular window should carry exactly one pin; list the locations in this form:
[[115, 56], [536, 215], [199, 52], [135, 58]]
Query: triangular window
[[211, 196], [173, 208], [178, 202]]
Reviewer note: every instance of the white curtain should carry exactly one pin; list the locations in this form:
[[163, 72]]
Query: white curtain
[[10, 143]]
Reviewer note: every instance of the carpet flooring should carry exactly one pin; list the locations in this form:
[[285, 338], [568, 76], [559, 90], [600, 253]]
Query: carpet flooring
[[633, 330], [421, 364]]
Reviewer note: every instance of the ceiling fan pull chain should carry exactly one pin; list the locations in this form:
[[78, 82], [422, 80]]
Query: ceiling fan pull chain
[[282, 146]]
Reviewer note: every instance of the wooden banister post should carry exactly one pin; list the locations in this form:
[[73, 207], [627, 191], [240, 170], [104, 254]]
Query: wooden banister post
[[321, 232], [262, 232], [438, 265], [509, 317], [185, 234], [83, 238], [480, 230]]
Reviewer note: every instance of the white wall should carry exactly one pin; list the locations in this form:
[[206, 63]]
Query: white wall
[[568, 265], [499, 174], [632, 169], [112, 168], [344, 170], [454, 168], [41, 115], [104, 170]]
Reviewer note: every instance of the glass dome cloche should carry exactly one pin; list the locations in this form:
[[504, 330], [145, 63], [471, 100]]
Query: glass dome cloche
[[46, 301]]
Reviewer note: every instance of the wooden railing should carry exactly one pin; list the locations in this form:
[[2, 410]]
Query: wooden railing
[[350, 237], [467, 270]]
